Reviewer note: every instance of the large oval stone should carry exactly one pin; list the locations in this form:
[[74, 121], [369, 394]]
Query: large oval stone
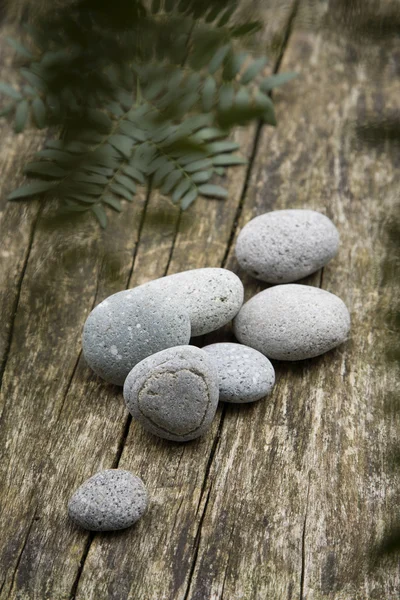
[[286, 245], [293, 322], [244, 374], [129, 326], [212, 296], [111, 499], [174, 393]]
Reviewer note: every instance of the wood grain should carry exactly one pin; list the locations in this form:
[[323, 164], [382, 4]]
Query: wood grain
[[283, 499], [17, 223], [308, 486], [60, 423], [165, 550]]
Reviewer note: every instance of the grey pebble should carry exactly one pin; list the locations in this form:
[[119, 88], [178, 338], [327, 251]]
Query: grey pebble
[[286, 245], [293, 322], [111, 499], [244, 374], [212, 296], [174, 393], [129, 326]]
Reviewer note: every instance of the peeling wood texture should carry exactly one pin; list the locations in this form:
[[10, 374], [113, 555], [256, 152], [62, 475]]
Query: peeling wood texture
[[283, 499]]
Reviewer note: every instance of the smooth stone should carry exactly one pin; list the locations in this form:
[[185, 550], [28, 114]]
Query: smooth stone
[[293, 322], [129, 326], [110, 500], [285, 245], [244, 374], [212, 296], [174, 393]]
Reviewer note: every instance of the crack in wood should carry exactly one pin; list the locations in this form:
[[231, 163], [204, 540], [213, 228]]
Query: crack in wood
[[211, 457], [176, 232], [229, 555], [68, 387], [321, 278], [20, 554], [122, 442], [84, 556], [177, 513], [287, 33], [303, 545], [179, 463], [141, 224], [18, 295], [196, 545], [288, 30]]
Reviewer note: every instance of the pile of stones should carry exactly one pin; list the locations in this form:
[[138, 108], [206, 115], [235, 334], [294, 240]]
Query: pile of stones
[[140, 339]]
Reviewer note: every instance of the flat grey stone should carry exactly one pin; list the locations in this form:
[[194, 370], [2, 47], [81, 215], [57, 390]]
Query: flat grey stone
[[244, 374], [111, 499], [129, 326], [212, 296], [174, 393], [293, 322], [286, 245]]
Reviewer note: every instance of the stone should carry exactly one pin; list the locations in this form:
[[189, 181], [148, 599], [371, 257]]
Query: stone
[[110, 500], [129, 326], [293, 322], [244, 374], [285, 245], [212, 296], [174, 393]]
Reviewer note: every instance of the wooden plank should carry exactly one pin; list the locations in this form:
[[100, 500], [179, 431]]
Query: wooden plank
[[51, 275], [17, 222], [60, 423], [299, 489], [154, 559], [54, 409]]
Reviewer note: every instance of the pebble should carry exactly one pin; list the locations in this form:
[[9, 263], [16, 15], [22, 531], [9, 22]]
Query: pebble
[[129, 326], [110, 500], [212, 296], [285, 245], [293, 322], [244, 374], [174, 393]]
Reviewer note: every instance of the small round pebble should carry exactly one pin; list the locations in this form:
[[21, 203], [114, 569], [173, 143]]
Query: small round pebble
[[212, 296], [285, 245], [110, 500], [244, 374], [174, 393], [293, 322], [129, 326]]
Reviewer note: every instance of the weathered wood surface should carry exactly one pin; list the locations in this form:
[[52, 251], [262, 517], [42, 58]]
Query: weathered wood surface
[[283, 499]]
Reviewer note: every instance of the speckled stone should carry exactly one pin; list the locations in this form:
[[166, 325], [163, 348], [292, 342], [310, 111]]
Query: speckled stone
[[212, 296], [174, 393], [129, 326], [293, 322], [111, 499], [286, 245], [244, 374]]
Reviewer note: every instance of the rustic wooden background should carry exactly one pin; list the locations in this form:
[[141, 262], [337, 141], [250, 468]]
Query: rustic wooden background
[[284, 499]]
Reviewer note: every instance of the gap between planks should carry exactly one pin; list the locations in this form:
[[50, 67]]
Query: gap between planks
[[288, 32]]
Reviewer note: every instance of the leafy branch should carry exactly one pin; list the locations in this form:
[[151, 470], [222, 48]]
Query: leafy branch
[[138, 94]]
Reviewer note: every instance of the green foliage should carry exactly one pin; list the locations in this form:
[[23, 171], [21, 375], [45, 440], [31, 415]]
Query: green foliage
[[139, 94]]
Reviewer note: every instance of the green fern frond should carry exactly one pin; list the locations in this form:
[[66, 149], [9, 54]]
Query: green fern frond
[[140, 94]]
